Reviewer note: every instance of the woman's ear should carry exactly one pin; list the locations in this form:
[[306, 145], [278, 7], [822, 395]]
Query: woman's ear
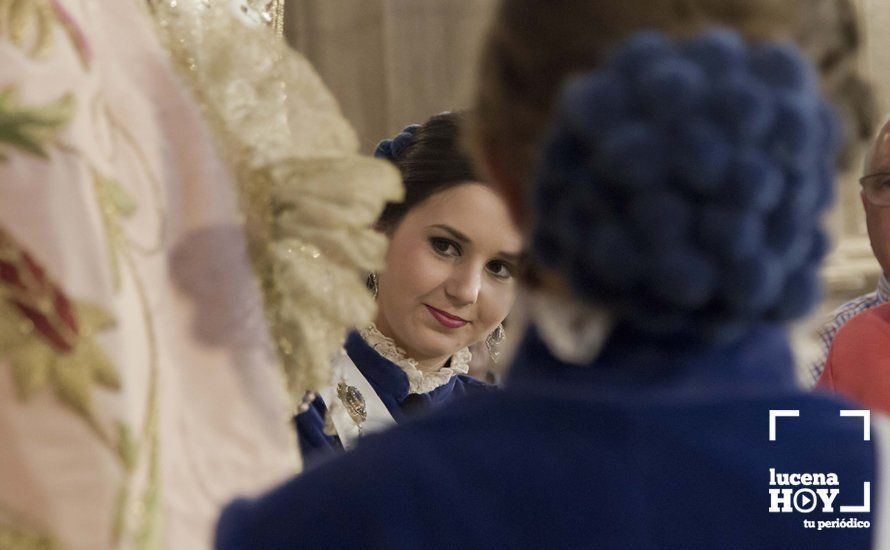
[[503, 176]]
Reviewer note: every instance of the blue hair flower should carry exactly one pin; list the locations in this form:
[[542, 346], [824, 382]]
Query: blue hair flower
[[802, 190], [783, 67], [700, 155], [683, 277], [647, 213], [632, 157], [730, 234], [819, 247], [682, 184], [595, 104], [719, 53], [753, 181], [802, 289], [829, 128], [612, 257], [825, 184], [670, 90], [642, 50], [751, 285], [391, 149], [743, 108], [796, 131], [384, 149]]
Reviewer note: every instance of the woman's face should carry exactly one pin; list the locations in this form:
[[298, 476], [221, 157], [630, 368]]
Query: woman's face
[[450, 272]]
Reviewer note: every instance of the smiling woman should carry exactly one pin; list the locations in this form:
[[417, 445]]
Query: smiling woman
[[449, 282], [449, 277]]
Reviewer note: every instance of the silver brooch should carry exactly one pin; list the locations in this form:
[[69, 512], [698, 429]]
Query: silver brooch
[[354, 402]]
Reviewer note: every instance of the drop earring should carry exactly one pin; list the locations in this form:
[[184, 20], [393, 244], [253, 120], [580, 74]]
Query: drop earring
[[493, 342]]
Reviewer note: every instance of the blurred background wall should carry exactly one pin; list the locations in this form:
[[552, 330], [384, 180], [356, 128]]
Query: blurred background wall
[[391, 62], [394, 62], [852, 269]]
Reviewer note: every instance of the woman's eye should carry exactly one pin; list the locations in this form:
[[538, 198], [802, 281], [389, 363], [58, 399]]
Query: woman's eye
[[500, 270], [445, 247]]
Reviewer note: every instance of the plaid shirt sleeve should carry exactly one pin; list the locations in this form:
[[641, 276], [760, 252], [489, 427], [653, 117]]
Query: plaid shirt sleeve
[[837, 319]]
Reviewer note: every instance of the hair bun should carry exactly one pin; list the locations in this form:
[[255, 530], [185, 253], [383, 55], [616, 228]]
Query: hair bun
[[682, 183], [392, 149]]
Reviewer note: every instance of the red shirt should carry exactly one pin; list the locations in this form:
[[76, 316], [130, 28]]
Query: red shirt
[[858, 365]]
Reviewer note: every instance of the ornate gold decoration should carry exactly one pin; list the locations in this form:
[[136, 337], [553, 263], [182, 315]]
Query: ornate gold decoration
[[308, 198], [32, 128], [48, 339], [29, 24], [276, 8]]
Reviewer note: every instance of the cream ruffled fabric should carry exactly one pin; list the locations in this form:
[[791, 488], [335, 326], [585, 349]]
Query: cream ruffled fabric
[[309, 199], [418, 380]]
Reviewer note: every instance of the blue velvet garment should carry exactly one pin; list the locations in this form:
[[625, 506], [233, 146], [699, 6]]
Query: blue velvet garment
[[391, 384], [642, 449]]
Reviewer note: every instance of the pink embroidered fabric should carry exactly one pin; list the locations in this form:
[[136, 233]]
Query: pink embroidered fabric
[[139, 388]]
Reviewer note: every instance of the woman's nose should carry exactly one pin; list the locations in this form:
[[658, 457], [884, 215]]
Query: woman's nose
[[463, 287]]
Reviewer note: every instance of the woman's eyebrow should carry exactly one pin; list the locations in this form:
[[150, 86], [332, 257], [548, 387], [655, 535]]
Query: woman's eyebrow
[[454, 233], [511, 257]]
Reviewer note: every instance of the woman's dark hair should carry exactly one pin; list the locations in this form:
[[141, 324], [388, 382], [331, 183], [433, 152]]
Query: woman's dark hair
[[431, 159]]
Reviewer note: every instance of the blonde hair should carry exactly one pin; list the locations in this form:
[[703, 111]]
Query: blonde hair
[[534, 45]]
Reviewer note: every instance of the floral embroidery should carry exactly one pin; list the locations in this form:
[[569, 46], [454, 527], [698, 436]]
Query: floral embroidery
[[132, 146], [136, 518], [48, 338], [75, 34], [149, 531], [114, 203], [19, 533], [32, 128], [17, 538], [147, 505], [29, 24]]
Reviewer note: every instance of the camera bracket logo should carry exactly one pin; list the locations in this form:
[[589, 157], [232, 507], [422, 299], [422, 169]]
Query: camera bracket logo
[[808, 492]]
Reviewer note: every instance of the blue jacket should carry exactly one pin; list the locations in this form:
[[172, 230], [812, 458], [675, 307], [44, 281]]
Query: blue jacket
[[391, 384], [644, 448]]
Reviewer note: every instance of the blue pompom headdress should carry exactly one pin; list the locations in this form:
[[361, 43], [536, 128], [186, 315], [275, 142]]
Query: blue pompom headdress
[[682, 185], [391, 149]]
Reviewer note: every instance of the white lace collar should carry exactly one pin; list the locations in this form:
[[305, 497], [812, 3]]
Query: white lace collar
[[418, 380]]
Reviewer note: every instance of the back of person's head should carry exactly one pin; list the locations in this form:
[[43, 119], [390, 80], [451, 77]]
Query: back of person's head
[[671, 159], [535, 45]]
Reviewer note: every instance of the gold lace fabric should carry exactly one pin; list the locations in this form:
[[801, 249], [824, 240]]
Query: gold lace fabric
[[308, 198]]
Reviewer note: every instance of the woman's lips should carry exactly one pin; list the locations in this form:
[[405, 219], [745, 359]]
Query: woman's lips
[[449, 321]]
